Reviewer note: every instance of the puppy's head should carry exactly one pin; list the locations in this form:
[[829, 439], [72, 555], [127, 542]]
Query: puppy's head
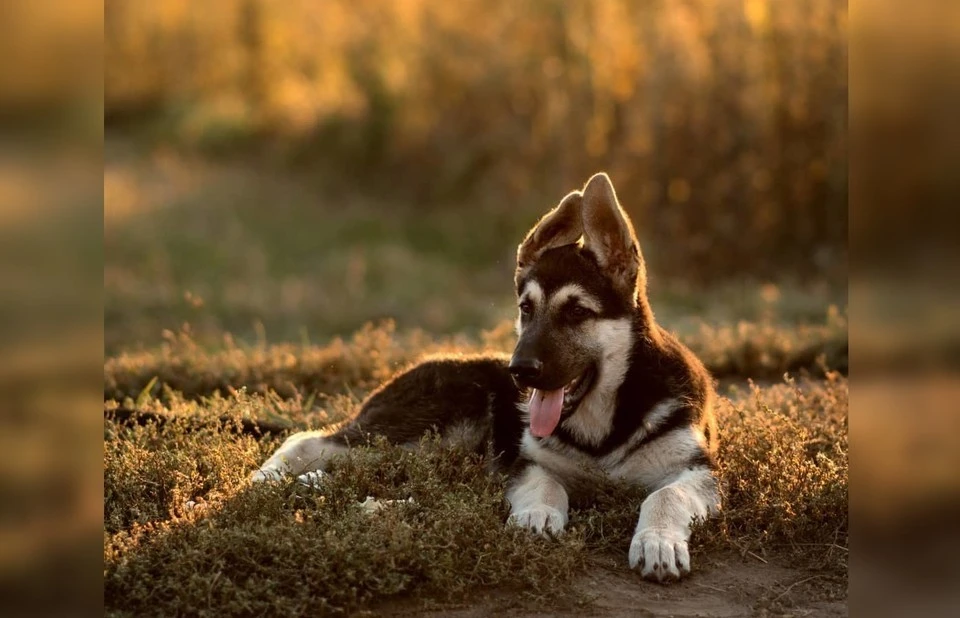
[[579, 276]]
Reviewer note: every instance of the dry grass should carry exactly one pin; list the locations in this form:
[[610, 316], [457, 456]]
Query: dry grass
[[288, 549], [288, 171], [765, 350], [757, 350], [784, 462]]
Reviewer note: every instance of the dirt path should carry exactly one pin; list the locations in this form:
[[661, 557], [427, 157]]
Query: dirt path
[[720, 587]]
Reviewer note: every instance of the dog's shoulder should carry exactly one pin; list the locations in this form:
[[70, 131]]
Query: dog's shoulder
[[664, 383], [680, 390], [681, 371]]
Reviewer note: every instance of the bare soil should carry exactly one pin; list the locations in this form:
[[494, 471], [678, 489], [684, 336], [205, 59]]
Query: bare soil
[[719, 587]]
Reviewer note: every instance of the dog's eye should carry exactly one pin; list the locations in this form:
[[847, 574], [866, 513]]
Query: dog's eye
[[578, 312], [526, 307]]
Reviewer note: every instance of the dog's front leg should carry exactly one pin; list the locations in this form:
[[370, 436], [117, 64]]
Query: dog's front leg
[[660, 542], [538, 501]]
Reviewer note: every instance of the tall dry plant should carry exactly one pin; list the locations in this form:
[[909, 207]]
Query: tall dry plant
[[724, 121]]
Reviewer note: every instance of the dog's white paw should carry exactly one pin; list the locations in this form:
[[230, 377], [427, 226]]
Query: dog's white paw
[[661, 554], [540, 519], [266, 476], [311, 479]]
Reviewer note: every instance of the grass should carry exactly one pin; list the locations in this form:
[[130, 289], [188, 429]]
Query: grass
[[278, 177], [220, 311], [290, 550], [267, 254], [758, 350], [784, 464], [235, 248], [287, 549]]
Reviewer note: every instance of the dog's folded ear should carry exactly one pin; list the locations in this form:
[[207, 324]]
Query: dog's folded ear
[[608, 234], [561, 226]]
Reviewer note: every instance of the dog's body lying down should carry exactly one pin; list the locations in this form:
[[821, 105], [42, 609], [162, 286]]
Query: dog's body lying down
[[595, 390]]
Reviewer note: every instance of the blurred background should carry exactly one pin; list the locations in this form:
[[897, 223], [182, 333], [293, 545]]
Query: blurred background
[[290, 170], [293, 170]]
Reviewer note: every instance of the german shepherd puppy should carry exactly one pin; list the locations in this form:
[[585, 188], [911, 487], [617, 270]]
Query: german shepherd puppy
[[595, 391]]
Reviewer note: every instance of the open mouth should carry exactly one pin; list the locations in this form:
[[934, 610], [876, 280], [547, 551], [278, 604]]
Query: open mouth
[[574, 392], [546, 407]]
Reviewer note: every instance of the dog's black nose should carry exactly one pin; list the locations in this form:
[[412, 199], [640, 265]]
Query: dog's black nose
[[526, 369]]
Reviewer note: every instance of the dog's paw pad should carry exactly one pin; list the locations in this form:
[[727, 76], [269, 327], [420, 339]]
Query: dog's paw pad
[[541, 519], [662, 555]]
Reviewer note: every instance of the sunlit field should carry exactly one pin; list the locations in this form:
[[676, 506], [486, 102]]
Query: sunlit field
[[302, 198], [183, 530]]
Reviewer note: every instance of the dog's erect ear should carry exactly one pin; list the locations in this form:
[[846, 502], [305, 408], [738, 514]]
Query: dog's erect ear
[[561, 226], [608, 234]]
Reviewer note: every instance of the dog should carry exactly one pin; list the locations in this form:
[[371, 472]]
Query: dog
[[595, 391]]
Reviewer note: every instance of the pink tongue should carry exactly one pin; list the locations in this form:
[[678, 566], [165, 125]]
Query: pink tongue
[[545, 408]]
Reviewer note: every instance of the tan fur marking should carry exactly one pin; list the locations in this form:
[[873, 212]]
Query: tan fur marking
[[466, 435], [592, 420], [574, 290], [532, 292]]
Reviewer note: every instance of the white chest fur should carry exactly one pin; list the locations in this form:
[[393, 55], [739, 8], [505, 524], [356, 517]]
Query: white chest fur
[[649, 466]]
